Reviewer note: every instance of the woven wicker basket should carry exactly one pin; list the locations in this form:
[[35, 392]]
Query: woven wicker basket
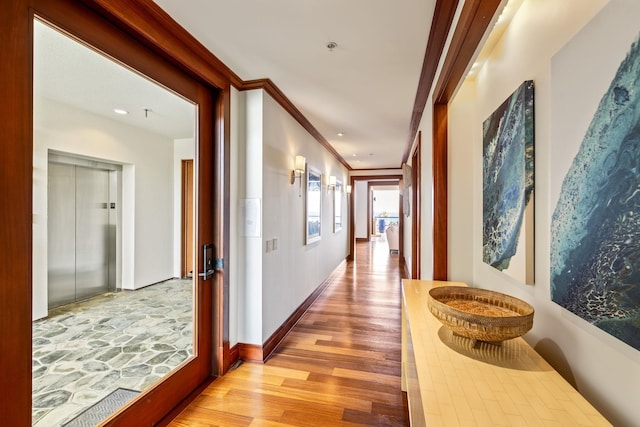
[[479, 313]]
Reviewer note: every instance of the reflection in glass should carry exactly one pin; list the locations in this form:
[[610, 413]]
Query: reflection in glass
[[112, 305]]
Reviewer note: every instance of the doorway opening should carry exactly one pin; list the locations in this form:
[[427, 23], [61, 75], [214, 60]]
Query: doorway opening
[[107, 208], [369, 222], [385, 214]]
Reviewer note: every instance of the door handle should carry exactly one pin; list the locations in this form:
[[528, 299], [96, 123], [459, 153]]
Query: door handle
[[207, 262]]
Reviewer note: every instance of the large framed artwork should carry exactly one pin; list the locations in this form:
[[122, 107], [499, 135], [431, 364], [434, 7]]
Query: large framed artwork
[[507, 190], [313, 206], [595, 173]]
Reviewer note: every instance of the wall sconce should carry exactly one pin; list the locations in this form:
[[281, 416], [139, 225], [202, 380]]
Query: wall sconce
[[348, 189], [332, 184], [298, 171]]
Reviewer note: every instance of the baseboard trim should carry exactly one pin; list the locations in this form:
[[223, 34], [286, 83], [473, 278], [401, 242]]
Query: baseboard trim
[[259, 354], [362, 239]]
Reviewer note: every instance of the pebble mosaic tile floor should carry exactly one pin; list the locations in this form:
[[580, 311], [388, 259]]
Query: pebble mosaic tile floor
[[84, 351]]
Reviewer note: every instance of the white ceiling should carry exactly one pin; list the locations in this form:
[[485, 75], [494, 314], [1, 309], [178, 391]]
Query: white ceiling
[[365, 88], [71, 73]]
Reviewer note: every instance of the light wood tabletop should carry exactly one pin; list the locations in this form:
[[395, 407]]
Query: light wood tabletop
[[452, 382]]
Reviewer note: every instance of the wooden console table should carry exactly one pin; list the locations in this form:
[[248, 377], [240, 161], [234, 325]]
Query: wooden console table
[[450, 382]]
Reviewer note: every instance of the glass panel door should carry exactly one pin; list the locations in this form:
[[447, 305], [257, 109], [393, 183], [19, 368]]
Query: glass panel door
[[111, 348]]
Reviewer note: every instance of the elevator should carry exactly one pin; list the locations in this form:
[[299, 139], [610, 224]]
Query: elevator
[[82, 221]]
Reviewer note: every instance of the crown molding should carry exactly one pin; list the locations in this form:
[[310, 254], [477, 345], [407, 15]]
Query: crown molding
[[440, 26], [274, 91]]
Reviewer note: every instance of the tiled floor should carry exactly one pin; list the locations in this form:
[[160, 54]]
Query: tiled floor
[[83, 351]]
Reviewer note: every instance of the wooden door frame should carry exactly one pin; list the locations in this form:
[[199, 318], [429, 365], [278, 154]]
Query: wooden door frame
[[474, 20], [151, 44], [352, 219], [416, 210], [186, 197], [371, 184]]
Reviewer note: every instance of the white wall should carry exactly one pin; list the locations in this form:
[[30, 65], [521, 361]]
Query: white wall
[[272, 285], [605, 370], [147, 158], [361, 214], [235, 262]]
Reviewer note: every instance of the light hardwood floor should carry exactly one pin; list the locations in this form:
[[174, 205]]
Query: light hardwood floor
[[339, 366]]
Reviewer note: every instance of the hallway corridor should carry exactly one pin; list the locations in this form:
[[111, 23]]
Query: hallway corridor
[[339, 366]]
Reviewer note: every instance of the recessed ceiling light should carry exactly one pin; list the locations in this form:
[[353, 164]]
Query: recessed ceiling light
[[354, 154], [340, 134], [120, 111]]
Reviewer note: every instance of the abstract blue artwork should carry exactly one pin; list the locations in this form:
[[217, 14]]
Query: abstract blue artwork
[[595, 249], [507, 186]]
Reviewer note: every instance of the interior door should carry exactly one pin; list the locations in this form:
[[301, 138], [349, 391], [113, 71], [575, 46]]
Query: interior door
[[187, 218], [151, 406]]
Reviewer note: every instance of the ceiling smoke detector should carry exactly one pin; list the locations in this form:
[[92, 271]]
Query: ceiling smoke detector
[[331, 46]]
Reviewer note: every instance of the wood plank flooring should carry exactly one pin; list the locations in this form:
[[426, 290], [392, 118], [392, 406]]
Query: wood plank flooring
[[339, 366]]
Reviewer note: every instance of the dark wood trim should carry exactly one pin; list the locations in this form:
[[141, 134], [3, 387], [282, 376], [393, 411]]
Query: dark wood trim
[[443, 15], [154, 27], [166, 420], [377, 169], [222, 359], [268, 86], [416, 206], [394, 183], [401, 224], [361, 239], [16, 180], [369, 210], [260, 354], [90, 26], [475, 17], [251, 352], [352, 221], [276, 338], [440, 190], [186, 226], [395, 178]]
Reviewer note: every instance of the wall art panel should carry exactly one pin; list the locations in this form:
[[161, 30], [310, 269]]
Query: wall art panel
[[595, 163], [507, 190]]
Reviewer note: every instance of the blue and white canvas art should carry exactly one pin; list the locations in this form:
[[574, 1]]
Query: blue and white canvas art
[[507, 186], [595, 226]]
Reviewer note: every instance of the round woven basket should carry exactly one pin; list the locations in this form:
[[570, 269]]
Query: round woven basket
[[479, 313]]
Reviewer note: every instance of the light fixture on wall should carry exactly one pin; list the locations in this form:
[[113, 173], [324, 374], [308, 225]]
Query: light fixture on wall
[[298, 171], [332, 183]]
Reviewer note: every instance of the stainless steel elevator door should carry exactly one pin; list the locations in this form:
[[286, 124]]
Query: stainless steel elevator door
[[92, 232], [79, 233], [61, 247]]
